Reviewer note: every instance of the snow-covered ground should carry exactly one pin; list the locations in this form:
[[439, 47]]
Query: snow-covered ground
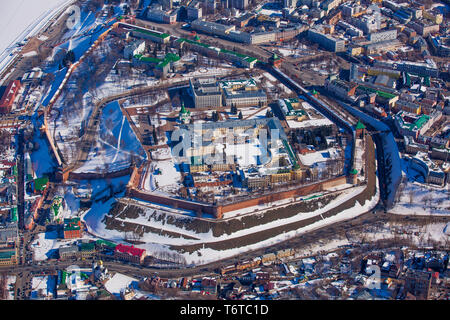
[[118, 282], [420, 199], [168, 179], [439, 232], [45, 285], [17, 17], [22, 19], [116, 144], [309, 123], [10, 283], [390, 149], [313, 158], [158, 242], [45, 245]]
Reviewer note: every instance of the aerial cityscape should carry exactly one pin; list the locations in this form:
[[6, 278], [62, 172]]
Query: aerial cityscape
[[225, 150]]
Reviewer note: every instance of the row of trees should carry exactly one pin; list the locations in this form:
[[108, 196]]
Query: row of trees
[[315, 137]]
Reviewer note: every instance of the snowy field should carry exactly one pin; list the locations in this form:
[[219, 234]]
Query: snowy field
[[437, 232], [119, 282], [419, 199], [116, 144], [22, 19], [44, 285], [309, 123], [168, 179], [157, 242], [313, 158], [45, 245], [10, 283], [17, 17]]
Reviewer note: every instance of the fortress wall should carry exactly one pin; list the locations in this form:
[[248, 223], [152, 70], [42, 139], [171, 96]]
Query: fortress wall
[[218, 211]]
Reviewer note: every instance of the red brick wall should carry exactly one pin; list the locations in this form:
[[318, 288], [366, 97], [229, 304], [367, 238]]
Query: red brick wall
[[218, 211], [72, 234]]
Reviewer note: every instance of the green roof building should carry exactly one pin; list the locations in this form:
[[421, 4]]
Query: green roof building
[[40, 184], [14, 214], [151, 35], [360, 125], [185, 115], [104, 243], [7, 255], [360, 129]]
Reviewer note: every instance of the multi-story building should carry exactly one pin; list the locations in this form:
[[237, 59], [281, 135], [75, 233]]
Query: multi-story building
[[9, 96], [67, 252], [431, 171], [350, 29], [340, 88], [242, 60], [435, 17], [418, 283], [408, 106], [133, 48], [194, 11], [440, 45], [243, 20], [211, 27], [262, 37], [424, 29], [8, 256], [239, 36], [243, 92], [151, 35], [413, 147], [87, 249], [409, 124], [419, 68], [9, 239], [368, 24], [289, 3], [238, 4], [156, 14], [245, 98], [206, 92], [166, 4], [9, 234], [256, 181], [291, 109], [130, 253], [387, 35], [72, 228], [326, 41], [329, 5]]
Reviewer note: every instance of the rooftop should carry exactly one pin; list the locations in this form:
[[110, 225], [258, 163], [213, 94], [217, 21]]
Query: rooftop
[[131, 250], [155, 34]]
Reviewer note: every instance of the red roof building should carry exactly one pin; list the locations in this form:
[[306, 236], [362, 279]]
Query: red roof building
[[72, 228], [129, 253], [8, 96]]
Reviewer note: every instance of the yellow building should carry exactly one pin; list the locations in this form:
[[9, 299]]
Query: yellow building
[[281, 177], [8, 256], [199, 168], [436, 18], [355, 50]]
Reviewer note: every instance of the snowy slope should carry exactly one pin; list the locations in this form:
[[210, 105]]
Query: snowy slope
[[116, 142]]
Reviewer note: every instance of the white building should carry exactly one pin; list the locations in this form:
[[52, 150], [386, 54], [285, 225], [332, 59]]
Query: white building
[[133, 48]]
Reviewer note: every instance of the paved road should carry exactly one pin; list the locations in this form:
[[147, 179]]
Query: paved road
[[175, 30], [311, 238]]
